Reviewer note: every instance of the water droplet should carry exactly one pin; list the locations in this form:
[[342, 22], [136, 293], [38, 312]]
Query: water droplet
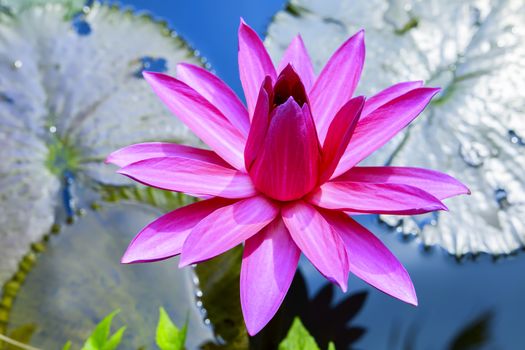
[[408, 7], [474, 153], [501, 197], [17, 64], [515, 138], [52, 129], [151, 64], [199, 304], [80, 25], [475, 15], [7, 99]]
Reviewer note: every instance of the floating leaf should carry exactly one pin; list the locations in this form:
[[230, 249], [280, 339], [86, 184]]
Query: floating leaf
[[68, 97], [169, 337], [78, 279], [473, 130], [298, 338], [22, 334]]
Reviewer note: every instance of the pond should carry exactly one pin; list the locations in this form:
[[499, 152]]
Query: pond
[[475, 302]]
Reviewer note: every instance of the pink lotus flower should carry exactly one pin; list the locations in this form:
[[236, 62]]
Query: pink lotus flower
[[282, 172]]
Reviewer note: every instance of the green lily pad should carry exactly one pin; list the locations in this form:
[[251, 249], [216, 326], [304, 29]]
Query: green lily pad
[[78, 280], [71, 92], [473, 130]]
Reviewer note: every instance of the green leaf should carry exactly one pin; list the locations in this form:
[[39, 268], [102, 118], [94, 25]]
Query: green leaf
[[331, 346], [169, 336], [99, 338], [67, 346], [298, 338], [115, 339]]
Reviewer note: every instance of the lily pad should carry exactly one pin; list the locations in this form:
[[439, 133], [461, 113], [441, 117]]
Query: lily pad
[[68, 97], [474, 130], [78, 280]]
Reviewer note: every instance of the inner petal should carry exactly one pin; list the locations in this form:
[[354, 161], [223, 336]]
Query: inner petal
[[289, 85]]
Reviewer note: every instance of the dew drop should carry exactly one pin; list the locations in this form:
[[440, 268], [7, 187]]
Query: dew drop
[[152, 64], [515, 138], [501, 197], [17, 64]]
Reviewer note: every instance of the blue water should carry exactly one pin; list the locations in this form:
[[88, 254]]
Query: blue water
[[451, 295]]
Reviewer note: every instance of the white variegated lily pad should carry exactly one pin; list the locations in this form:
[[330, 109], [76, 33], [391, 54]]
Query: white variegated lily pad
[[474, 130], [71, 92]]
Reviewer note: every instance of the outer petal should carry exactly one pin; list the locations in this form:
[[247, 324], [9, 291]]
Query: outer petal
[[318, 241], [200, 116], [339, 134], [217, 93], [163, 238], [438, 184], [376, 129], [371, 261], [227, 227], [268, 265], [260, 122], [298, 57], [373, 198], [191, 176], [287, 167], [337, 82], [389, 94], [254, 64], [141, 151]]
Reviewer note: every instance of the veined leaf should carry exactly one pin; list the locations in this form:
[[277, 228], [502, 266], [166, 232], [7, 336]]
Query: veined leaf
[[473, 130], [71, 92]]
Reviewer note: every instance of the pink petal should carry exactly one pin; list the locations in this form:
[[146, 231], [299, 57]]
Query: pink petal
[[260, 121], [287, 167], [254, 64], [191, 176], [141, 151], [163, 238], [200, 116], [337, 82], [298, 57], [389, 94], [339, 134], [268, 265], [217, 93], [377, 128], [227, 227], [318, 241], [438, 184], [371, 261], [372, 198]]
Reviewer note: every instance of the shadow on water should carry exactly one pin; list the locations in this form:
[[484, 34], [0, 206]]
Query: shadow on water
[[324, 318]]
